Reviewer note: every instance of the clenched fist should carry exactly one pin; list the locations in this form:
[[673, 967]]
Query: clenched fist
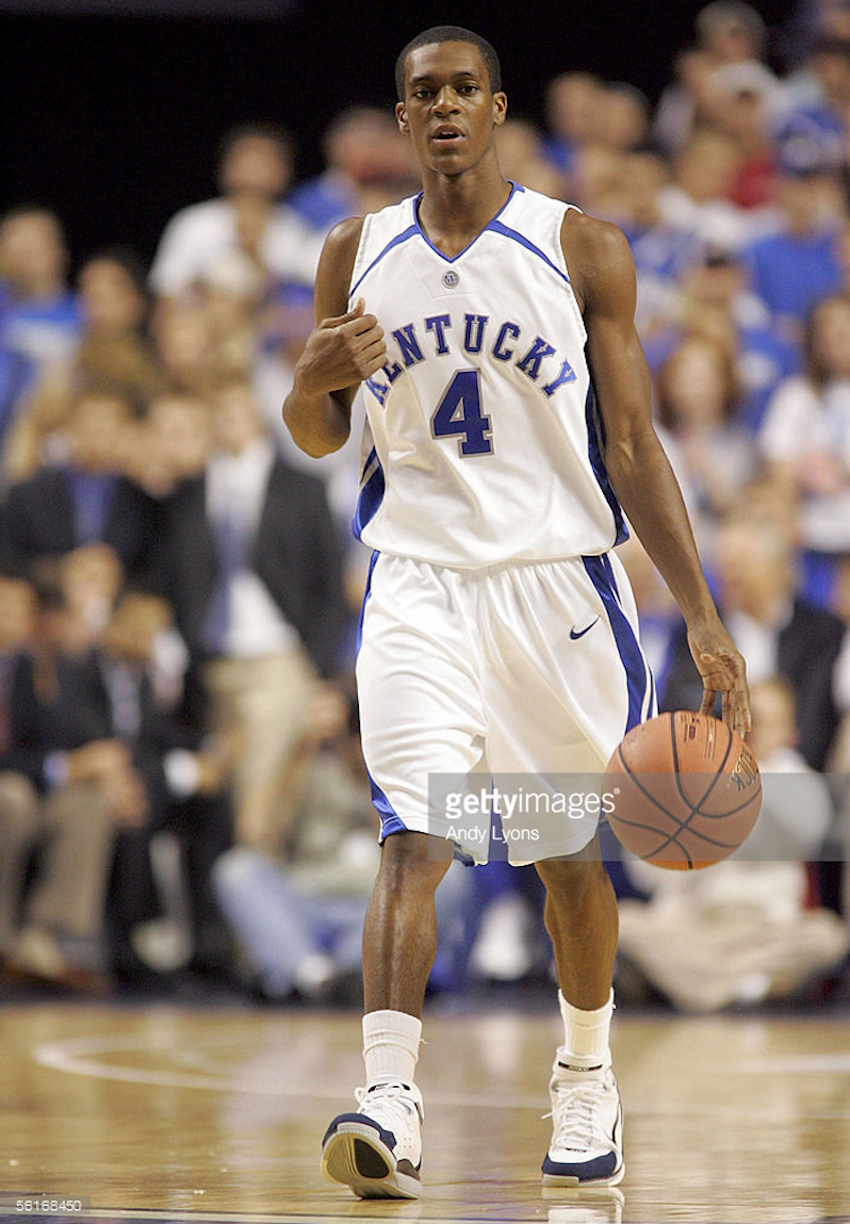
[[340, 353]]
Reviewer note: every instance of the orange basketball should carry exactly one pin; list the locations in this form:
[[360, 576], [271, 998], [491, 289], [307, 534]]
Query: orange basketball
[[686, 790]]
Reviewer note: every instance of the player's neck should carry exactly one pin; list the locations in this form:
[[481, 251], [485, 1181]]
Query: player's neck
[[454, 209]]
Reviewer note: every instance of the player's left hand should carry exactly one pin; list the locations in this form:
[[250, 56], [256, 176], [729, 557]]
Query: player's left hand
[[723, 671]]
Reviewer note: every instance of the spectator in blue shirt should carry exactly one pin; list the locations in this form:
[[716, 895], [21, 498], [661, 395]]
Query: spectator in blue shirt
[[793, 269], [40, 318]]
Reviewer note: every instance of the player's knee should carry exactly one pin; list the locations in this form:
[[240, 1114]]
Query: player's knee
[[566, 878], [413, 860]]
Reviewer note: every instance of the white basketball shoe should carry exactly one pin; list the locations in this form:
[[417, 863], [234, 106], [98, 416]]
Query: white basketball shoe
[[587, 1129], [377, 1151]]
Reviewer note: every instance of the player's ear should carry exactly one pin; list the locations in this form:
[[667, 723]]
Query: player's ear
[[401, 116], [500, 108]]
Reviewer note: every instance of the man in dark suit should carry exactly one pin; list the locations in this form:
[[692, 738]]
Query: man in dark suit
[[253, 570], [55, 839], [777, 632], [82, 500], [96, 720]]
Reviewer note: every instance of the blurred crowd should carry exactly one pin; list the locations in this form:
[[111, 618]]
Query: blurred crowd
[[181, 786]]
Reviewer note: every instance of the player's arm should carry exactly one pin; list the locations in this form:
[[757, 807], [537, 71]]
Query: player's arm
[[603, 275], [344, 347]]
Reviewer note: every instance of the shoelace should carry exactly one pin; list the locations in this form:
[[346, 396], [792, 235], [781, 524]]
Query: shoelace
[[387, 1103], [575, 1120]]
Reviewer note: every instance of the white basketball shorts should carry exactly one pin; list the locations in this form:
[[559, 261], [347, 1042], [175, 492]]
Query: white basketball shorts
[[523, 670]]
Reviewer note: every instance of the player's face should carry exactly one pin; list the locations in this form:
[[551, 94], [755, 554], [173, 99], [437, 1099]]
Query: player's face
[[448, 110]]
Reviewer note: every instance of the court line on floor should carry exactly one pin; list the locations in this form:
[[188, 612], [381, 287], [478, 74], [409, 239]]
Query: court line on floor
[[79, 1056]]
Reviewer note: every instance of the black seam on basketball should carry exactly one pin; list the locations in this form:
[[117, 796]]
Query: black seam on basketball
[[733, 811], [647, 794], [683, 825], [718, 773]]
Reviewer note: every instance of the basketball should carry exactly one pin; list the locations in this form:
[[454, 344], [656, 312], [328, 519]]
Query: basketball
[[686, 790]]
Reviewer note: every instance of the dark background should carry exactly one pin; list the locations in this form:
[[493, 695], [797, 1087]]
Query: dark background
[[114, 121]]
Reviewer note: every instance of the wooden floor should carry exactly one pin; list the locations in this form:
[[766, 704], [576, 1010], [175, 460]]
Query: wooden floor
[[166, 1113]]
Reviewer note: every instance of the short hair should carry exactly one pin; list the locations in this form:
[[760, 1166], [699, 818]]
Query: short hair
[[128, 260], [450, 33], [33, 209], [734, 12], [274, 133]]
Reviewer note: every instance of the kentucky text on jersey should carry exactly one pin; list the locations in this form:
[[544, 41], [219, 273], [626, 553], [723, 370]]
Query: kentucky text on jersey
[[483, 440], [474, 335]]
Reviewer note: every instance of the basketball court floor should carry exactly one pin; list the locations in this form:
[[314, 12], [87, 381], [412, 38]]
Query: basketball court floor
[[173, 1113]]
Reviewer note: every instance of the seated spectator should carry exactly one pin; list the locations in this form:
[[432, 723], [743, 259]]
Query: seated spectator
[[253, 566], [697, 201], [112, 355], [369, 165], [175, 778], [741, 932], [622, 121], [90, 579], [56, 834], [522, 158], [572, 102], [712, 300], [793, 269], [805, 441], [687, 103], [661, 251], [173, 443], [40, 317], [696, 402], [821, 82], [595, 182], [83, 499], [728, 32], [298, 911], [777, 631], [234, 294], [747, 106], [592, 126], [255, 169], [185, 346]]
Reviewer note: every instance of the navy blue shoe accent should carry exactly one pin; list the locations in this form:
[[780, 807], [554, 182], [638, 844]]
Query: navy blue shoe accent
[[385, 1136], [585, 1170]]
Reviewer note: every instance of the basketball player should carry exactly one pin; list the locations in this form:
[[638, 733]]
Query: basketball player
[[508, 410]]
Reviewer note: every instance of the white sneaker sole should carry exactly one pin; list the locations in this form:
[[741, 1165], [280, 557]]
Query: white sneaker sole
[[356, 1157]]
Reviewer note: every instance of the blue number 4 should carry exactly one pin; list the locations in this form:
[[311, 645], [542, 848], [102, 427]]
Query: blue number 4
[[458, 414]]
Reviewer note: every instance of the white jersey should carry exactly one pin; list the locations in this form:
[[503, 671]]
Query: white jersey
[[482, 443]]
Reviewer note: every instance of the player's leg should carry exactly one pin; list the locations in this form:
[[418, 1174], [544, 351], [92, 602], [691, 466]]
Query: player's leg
[[378, 1150], [568, 678], [419, 713], [400, 931], [581, 918]]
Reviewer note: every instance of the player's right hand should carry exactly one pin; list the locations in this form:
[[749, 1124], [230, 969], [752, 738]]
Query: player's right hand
[[723, 671], [341, 352]]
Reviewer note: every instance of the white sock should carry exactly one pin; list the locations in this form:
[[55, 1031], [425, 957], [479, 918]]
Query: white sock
[[586, 1036], [390, 1046]]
